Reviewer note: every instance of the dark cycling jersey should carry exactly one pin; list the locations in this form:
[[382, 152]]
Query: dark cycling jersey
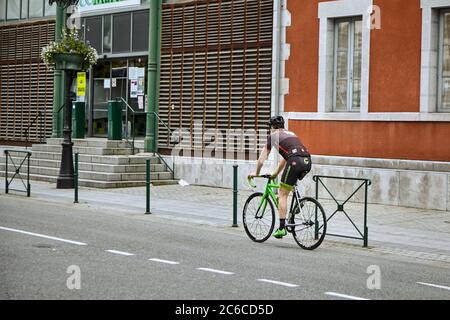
[[287, 143]]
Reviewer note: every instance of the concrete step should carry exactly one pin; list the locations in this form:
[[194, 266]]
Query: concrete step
[[92, 142], [99, 184], [95, 167], [97, 176], [113, 160], [83, 150]]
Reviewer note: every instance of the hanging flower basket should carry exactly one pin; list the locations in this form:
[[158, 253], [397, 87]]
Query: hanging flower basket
[[68, 61], [70, 53]]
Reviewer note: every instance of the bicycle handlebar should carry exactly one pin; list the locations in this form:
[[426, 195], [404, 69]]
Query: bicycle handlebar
[[264, 176]]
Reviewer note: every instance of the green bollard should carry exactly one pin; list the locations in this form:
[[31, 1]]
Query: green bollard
[[114, 120], [78, 120], [147, 184], [235, 195]]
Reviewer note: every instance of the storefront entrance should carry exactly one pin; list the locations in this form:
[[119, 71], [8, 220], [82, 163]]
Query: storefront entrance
[[119, 79]]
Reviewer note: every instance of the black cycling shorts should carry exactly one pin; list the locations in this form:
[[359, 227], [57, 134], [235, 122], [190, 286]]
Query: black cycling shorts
[[296, 169]]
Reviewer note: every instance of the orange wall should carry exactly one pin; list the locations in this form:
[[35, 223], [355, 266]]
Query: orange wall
[[395, 57], [391, 140], [394, 87], [302, 66], [394, 83]]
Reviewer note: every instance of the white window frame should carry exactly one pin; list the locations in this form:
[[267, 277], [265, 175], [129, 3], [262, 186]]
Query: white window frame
[[429, 67], [440, 81], [350, 64], [328, 12], [429, 78]]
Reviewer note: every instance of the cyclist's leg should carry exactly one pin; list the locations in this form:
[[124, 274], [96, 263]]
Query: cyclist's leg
[[288, 180], [296, 169]]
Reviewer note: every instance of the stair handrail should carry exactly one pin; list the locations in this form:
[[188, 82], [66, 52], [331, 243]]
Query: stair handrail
[[30, 124], [172, 170], [133, 112]]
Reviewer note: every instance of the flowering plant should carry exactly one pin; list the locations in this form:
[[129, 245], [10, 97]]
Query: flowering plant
[[69, 44]]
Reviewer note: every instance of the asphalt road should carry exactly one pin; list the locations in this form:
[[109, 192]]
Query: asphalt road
[[121, 255]]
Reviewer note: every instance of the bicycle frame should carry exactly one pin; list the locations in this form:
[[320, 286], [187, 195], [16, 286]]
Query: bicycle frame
[[268, 194]]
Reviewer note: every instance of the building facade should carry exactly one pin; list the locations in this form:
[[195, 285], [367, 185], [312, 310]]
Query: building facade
[[364, 83], [369, 93], [359, 91], [215, 67]]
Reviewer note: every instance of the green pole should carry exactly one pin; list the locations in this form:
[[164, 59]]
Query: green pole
[[235, 195], [366, 230], [154, 44], [76, 178], [58, 92], [147, 185]]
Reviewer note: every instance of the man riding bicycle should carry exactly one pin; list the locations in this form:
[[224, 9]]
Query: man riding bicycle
[[296, 163]]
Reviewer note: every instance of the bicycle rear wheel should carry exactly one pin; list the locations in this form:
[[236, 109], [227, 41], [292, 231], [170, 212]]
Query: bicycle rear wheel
[[308, 223], [258, 217]]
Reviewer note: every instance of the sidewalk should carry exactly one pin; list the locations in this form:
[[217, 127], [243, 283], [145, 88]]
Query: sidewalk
[[392, 229]]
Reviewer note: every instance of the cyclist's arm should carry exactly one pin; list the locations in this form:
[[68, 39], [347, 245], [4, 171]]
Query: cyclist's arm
[[262, 158], [280, 168]]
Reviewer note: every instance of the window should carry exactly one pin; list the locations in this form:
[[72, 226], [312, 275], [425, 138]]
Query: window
[[2, 10], [347, 65], [344, 57], [107, 36], [13, 8], [50, 10], [24, 14], [36, 9], [444, 62], [435, 64], [94, 32], [140, 31], [121, 33]]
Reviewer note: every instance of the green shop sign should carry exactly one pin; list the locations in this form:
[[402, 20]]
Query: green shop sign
[[94, 5]]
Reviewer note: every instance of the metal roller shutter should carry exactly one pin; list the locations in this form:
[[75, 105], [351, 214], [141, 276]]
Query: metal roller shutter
[[26, 86], [216, 67]]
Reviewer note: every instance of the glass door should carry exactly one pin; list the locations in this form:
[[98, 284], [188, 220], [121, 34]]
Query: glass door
[[137, 88], [101, 96], [115, 80]]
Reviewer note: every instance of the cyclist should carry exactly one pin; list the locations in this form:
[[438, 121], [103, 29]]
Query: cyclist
[[296, 163]]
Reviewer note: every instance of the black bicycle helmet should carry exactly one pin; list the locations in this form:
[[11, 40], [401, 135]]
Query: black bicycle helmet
[[276, 122]]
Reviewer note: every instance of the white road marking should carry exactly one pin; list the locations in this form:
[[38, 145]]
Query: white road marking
[[434, 285], [44, 236], [345, 296], [215, 271], [285, 284], [163, 261], [122, 253]]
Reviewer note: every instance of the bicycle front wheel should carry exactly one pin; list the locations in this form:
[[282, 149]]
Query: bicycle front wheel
[[309, 224], [258, 217]]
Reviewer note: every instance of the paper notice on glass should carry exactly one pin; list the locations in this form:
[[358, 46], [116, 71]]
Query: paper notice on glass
[[141, 102], [132, 73], [141, 85], [114, 82], [140, 72], [107, 84], [133, 89]]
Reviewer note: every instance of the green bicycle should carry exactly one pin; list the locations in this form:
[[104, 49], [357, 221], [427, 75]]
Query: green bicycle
[[306, 219]]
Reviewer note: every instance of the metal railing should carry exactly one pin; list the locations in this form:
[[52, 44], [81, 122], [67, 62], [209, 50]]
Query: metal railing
[[341, 205], [39, 116], [128, 109], [17, 168], [172, 170]]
